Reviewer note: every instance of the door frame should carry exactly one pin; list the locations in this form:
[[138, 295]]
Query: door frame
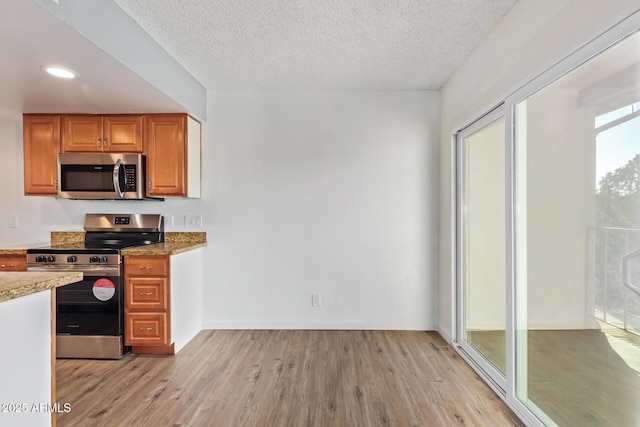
[[493, 376]]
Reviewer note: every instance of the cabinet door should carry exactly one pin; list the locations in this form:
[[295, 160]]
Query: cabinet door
[[41, 148], [13, 263], [166, 155], [82, 133], [123, 134]]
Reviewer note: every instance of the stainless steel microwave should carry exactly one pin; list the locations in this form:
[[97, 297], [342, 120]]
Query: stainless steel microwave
[[101, 176]]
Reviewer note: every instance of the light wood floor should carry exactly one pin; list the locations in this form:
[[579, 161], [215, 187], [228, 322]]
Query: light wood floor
[[284, 378], [578, 377]]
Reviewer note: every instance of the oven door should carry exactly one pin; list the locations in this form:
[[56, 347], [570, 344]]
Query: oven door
[[93, 306]]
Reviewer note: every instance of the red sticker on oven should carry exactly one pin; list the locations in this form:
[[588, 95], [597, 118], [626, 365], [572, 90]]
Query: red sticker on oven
[[104, 289]]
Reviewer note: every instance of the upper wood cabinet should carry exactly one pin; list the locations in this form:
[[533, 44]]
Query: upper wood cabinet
[[95, 133], [41, 135], [172, 145]]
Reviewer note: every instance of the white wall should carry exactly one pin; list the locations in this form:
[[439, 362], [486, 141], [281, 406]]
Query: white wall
[[532, 36], [332, 194]]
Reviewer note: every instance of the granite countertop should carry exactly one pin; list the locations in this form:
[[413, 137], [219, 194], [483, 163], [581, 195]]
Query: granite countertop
[[166, 248], [21, 249], [176, 242], [17, 284]]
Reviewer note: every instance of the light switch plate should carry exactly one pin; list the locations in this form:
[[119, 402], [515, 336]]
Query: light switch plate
[[193, 221]]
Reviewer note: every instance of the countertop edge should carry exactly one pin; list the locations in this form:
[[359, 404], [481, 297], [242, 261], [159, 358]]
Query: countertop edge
[[59, 279], [158, 249], [13, 251], [22, 248]]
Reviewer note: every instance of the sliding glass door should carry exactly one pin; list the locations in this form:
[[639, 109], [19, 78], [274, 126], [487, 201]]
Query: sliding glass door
[[481, 231], [548, 239], [577, 170]]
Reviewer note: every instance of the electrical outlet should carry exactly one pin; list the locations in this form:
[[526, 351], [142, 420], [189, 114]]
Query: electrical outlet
[[193, 221], [315, 300], [168, 221], [13, 221]]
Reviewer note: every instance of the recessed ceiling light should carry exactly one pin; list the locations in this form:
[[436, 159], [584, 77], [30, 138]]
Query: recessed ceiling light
[[57, 71]]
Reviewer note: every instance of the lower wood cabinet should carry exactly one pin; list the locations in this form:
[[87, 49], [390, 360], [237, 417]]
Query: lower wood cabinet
[[147, 304], [163, 301], [13, 262], [147, 329]]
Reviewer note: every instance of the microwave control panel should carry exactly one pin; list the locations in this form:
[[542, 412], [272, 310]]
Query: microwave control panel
[[130, 174]]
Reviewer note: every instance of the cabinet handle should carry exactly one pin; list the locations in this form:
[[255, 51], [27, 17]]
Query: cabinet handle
[[6, 265], [145, 267], [146, 329], [56, 183], [98, 142], [146, 294], [104, 143], [149, 185]]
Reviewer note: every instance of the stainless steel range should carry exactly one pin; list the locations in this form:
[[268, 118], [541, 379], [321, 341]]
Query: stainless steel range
[[90, 313]]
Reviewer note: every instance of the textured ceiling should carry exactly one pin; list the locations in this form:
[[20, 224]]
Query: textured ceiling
[[323, 44]]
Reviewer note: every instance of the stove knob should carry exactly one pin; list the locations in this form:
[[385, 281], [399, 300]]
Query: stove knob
[[94, 259], [51, 258], [72, 258], [41, 258], [104, 259]]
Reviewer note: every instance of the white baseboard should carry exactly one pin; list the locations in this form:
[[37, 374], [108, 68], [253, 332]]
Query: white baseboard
[[322, 325], [447, 336]]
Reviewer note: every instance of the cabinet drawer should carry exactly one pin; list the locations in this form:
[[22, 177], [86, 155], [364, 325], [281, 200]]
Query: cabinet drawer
[[146, 329], [146, 293], [146, 266], [13, 263]]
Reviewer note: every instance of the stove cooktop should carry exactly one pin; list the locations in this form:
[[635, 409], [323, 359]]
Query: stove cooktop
[[105, 235]]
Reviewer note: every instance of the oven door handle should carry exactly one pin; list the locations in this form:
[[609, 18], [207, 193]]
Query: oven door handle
[[116, 178], [88, 270]]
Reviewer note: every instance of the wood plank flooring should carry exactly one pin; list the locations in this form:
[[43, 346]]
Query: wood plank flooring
[[284, 378], [578, 377]]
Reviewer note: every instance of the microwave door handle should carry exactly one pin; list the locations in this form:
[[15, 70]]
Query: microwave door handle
[[116, 178]]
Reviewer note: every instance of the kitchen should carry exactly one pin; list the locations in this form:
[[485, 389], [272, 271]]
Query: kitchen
[[328, 194]]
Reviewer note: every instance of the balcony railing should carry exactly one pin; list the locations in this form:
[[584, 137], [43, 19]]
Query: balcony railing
[[608, 299]]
